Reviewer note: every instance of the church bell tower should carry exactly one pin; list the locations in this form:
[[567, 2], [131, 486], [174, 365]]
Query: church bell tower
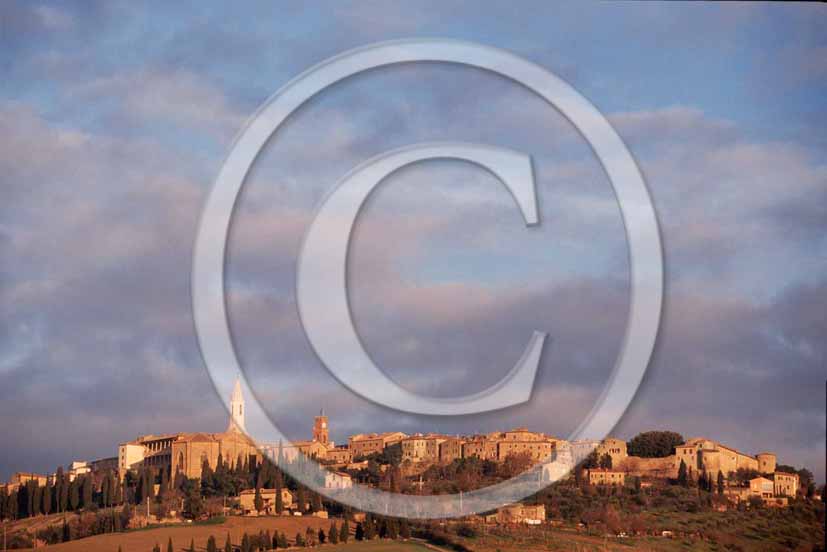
[[320, 429], [237, 409]]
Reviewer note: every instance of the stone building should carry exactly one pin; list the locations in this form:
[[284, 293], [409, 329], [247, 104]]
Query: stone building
[[785, 484], [531, 514], [450, 450], [337, 480], [247, 500], [185, 453], [615, 448], [766, 462], [701, 454], [480, 447], [415, 449], [339, 455], [606, 477], [370, 443]]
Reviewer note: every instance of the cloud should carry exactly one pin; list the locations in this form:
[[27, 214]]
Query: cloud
[[104, 172]]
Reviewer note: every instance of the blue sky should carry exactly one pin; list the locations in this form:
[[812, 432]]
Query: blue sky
[[116, 118]]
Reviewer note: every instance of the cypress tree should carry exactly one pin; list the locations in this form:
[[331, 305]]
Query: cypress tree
[[47, 500], [163, 490], [258, 502], [279, 499], [404, 529], [106, 491], [300, 498], [211, 547], [370, 528], [64, 494], [299, 540], [720, 482], [275, 541], [333, 534], [360, 532], [283, 541], [59, 484], [228, 546], [245, 543], [86, 494], [344, 531], [74, 495], [37, 499], [192, 545], [169, 545], [682, 475]]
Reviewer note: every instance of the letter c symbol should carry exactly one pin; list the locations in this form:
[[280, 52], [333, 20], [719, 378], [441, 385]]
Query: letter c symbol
[[322, 287]]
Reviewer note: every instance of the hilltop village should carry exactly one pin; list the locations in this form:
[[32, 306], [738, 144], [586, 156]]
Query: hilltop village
[[737, 475]]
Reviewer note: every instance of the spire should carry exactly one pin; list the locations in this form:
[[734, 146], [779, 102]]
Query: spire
[[237, 396], [236, 408]]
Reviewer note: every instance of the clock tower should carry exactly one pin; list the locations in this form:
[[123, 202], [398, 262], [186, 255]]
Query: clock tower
[[320, 429]]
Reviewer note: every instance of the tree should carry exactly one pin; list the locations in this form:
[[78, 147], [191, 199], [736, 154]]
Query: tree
[[591, 461], [211, 546], [36, 499], [126, 515], [370, 528], [47, 500], [228, 546], [654, 444], [299, 540], [300, 498], [720, 482], [322, 536], [279, 499], [703, 481], [344, 531], [333, 533], [606, 461], [283, 541], [169, 545], [404, 529], [192, 545], [74, 495], [193, 503], [360, 532], [86, 491], [683, 479], [258, 502], [811, 491]]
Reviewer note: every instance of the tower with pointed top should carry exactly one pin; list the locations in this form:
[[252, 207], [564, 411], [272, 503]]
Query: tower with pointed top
[[237, 409], [320, 429]]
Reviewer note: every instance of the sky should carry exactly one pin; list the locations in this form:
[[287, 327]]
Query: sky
[[115, 119]]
